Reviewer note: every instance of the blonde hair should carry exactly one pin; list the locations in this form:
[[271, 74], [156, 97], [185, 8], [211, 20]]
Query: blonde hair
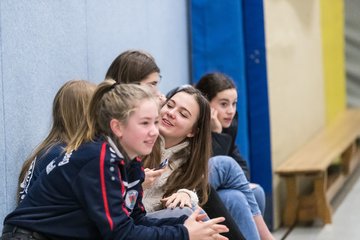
[[110, 101], [68, 112]]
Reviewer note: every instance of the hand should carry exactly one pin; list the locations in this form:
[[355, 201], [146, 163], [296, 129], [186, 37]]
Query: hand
[[180, 199], [162, 98], [205, 230], [150, 177], [215, 124], [253, 185]]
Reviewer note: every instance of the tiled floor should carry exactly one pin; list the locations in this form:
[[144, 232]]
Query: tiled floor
[[346, 218]]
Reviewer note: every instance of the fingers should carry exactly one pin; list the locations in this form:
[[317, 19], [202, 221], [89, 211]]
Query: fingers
[[177, 199], [219, 228], [215, 220], [195, 214], [219, 237], [201, 217], [153, 173]]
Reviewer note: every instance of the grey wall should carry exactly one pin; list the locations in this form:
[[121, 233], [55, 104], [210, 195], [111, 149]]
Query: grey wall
[[45, 43]]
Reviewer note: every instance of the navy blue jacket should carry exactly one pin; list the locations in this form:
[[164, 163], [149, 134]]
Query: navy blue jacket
[[92, 193], [37, 166]]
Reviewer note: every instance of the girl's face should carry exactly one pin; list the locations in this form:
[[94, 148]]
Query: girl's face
[[139, 134], [225, 104], [152, 80], [178, 117]]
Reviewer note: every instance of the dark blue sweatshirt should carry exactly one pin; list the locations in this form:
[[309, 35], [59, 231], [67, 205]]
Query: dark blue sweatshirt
[[92, 193]]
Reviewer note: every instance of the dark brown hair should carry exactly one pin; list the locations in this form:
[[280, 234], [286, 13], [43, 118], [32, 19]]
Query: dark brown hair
[[132, 66], [213, 83]]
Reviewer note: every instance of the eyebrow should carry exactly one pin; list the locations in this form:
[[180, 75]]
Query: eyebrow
[[225, 99], [181, 108], [148, 118]]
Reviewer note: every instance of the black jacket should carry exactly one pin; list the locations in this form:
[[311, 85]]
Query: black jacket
[[224, 144]]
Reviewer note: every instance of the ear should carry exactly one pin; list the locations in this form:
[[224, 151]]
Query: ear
[[192, 133], [116, 127]]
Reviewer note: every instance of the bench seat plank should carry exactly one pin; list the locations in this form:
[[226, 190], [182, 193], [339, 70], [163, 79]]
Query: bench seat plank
[[316, 155], [337, 141]]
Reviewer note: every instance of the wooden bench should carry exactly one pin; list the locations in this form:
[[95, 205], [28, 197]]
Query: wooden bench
[[315, 162]]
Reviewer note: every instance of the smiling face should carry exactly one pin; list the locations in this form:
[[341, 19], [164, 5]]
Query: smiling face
[[225, 104], [177, 118], [138, 135]]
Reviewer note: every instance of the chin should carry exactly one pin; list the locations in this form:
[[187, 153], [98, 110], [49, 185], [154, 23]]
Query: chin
[[226, 125]]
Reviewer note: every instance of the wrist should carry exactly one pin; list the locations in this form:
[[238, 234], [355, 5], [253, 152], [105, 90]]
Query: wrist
[[193, 196]]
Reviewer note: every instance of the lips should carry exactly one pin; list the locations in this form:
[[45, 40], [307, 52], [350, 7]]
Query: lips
[[150, 142], [166, 122], [227, 119]]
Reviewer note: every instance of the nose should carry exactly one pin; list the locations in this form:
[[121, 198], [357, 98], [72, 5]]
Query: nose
[[171, 113], [154, 130], [231, 109]]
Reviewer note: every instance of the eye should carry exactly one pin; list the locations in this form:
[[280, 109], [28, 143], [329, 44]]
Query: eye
[[153, 84], [184, 114], [170, 105], [145, 123], [223, 104], [156, 122]]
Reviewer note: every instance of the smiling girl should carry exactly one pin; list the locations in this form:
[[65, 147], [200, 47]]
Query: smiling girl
[[185, 134]]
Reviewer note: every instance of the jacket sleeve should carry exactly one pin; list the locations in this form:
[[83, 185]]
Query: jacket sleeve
[[233, 148], [99, 188], [221, 144]]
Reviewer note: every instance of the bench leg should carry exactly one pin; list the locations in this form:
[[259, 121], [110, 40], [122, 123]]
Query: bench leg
[[292, 202], [346, 158], [322, 204]]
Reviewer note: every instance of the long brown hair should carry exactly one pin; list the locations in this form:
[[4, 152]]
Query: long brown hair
[[110, 101], [68, 112], [193, 172], [132, 66]]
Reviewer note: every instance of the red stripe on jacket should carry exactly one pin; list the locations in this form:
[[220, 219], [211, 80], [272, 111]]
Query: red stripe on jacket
[[103, 186]]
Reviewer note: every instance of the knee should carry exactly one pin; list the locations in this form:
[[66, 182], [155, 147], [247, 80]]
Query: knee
[[224, 162], [234, 198]]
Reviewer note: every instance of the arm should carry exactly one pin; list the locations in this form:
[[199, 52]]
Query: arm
[[100, 189], [263, 230]]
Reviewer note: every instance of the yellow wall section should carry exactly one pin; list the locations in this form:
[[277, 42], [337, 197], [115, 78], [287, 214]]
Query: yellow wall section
[[332, 25]]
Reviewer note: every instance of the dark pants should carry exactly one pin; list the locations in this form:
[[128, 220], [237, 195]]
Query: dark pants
[[16, 233], [216, 208]]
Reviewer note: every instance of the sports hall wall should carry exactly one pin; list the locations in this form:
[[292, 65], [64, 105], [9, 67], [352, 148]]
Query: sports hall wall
[[45, 43], [286, 56]]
